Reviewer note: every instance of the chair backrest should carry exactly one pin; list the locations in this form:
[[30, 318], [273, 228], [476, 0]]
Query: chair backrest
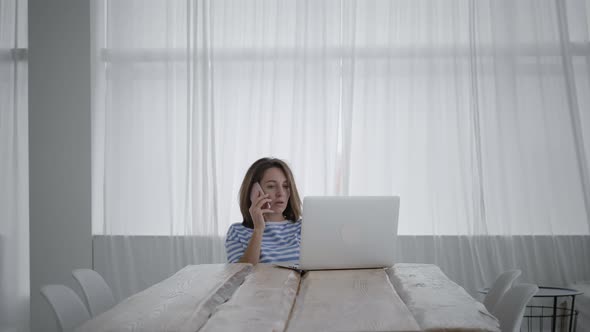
[[503, 283], [97, 293], [69, 310], [512, 305]]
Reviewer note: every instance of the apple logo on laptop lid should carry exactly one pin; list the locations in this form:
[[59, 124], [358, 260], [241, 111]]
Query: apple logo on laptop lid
[[351, 234]]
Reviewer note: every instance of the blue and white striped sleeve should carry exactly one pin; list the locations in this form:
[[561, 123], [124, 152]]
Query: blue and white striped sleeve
[[233, 246]]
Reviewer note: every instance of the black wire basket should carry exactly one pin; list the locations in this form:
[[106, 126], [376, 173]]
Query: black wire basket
[[540, 318]]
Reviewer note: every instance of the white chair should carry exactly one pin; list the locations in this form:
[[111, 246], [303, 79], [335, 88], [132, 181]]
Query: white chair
[[512, 305], [97, 293], [69, 310], [503, 283]]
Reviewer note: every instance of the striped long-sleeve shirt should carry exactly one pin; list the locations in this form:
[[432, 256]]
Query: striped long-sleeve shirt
[[280, 242]]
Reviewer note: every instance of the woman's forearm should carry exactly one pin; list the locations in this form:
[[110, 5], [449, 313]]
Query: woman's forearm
[[252, 253]]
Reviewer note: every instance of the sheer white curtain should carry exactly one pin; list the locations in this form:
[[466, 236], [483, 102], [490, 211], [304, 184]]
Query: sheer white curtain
[[14, 194], [189, 95], [474, 112], [467, 112]]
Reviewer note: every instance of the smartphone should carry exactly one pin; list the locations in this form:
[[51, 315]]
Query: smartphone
[[257, 192]]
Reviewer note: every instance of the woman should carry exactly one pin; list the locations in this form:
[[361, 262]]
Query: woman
[[271, 227]]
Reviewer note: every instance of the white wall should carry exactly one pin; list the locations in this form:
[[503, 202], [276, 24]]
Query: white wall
[[59, 147], [132, 263]]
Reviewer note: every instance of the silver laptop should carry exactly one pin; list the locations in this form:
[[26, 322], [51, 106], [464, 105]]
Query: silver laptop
[[349, 232]]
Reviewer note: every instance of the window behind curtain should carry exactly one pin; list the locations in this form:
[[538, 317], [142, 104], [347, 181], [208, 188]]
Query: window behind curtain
[[463, 108]]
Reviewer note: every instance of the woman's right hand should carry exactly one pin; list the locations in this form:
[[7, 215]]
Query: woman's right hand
[[257, 211]]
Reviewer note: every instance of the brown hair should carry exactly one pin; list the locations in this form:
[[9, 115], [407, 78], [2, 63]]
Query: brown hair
[[255, 174]]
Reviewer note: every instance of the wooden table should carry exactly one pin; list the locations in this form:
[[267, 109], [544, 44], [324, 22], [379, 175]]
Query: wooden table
[[240, 297]]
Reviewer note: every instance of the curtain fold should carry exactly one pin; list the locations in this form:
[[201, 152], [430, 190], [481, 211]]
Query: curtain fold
[[473, 112], [14, 194]]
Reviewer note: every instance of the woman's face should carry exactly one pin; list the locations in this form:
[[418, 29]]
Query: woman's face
[[275, 184]]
